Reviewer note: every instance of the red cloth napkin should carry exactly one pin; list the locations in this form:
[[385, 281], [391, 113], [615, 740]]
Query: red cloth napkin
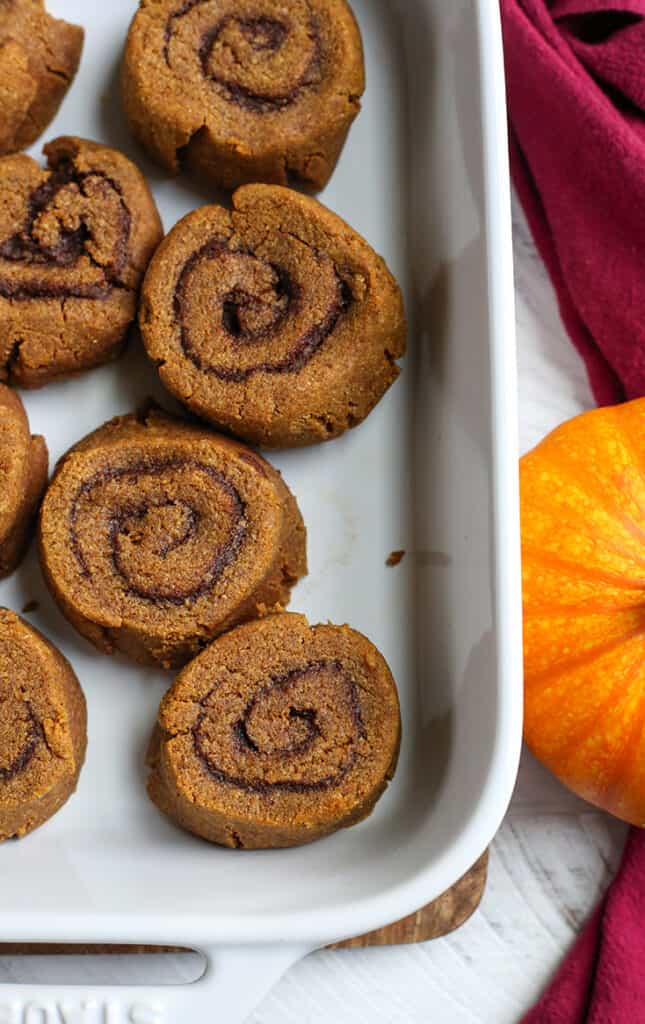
[[576, 94], [602, 980], [575, 74]]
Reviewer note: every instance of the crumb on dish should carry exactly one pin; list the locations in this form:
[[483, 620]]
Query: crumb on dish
[[395, 557]]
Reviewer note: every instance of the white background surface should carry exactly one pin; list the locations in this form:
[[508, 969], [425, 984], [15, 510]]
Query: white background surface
[[552, 858]]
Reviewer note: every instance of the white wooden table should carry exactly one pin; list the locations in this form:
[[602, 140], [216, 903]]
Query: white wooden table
[[553, 856]]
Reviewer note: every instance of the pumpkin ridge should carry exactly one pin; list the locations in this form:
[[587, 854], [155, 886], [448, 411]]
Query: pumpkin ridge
[[591, 573], [572, 745], [625, 762], [599, 604], [638, 455], [590, 725], [613, 513], [551, 454], [581, 660], [564, 523], [568, 752]]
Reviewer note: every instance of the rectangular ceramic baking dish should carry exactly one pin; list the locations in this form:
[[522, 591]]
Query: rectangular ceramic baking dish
[[433, 472]]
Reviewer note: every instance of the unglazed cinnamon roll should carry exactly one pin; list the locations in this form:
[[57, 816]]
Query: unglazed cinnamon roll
[[74, 242], [274, 321], [278, 734], [156, 535], [39, 56], [42, 727], [244, 90], [23, 471]]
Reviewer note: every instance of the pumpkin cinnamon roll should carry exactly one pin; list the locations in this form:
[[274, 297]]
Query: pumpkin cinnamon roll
[[23, 471], [278, 734], [156, 535], [42, 727], [274, 321], [39, 57], [75, 240], [244, 90]]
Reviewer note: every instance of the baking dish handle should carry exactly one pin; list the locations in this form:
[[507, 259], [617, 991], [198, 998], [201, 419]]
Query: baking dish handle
[[234, 982]]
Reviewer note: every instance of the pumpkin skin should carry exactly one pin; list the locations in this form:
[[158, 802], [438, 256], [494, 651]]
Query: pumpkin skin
[[583, 568]]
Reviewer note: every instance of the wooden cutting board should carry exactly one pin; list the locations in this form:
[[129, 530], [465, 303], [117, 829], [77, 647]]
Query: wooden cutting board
[[438, 918]]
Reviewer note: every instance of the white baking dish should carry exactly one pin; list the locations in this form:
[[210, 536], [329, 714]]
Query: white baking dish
[[433, 471]]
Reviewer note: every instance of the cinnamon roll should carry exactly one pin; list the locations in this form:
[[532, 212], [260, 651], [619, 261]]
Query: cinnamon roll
[[278, 734], [274, 321], [75, 240], [23, 471], [156, 535], [244, 90], [42, 727], [39, 57]]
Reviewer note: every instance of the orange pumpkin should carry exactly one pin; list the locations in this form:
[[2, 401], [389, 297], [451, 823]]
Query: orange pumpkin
[[583, 549]]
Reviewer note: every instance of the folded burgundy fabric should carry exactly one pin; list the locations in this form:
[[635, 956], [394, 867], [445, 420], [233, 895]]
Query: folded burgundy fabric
[[602, 980], [576, 96], [575, 74]]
